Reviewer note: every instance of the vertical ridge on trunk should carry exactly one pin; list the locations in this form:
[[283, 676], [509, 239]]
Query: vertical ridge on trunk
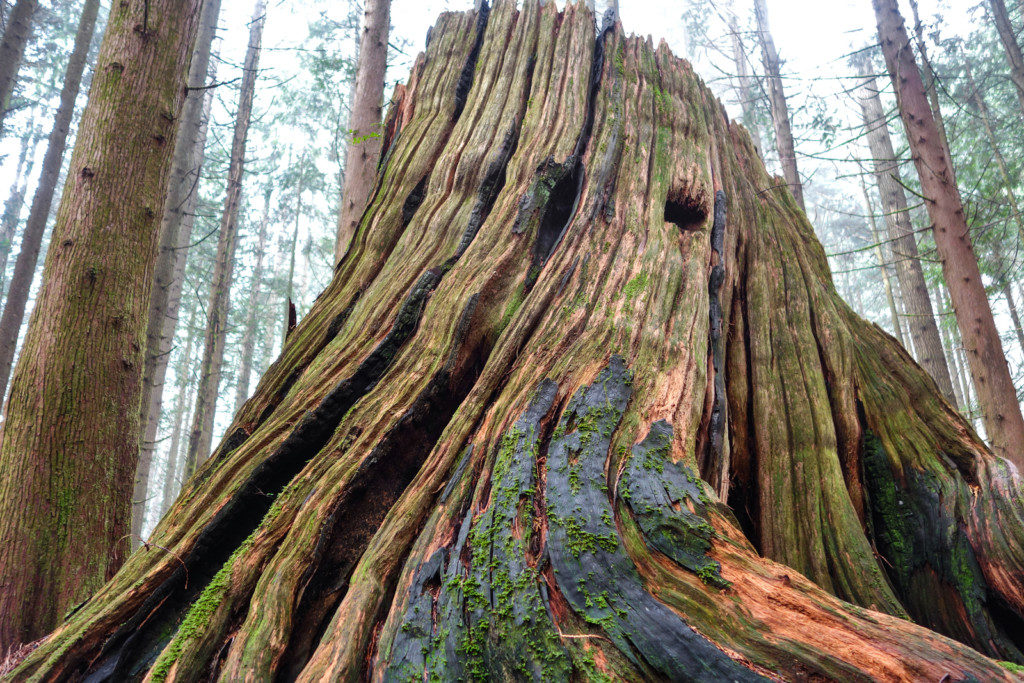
[[479, 454]]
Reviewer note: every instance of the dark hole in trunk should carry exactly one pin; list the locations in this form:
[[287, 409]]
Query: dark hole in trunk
[[686, 212]]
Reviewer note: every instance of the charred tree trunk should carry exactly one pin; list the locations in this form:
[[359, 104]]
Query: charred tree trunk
[[365, 132], [249, 333], [201, 434], [12, 48], [997, 397], [920, 318], [176, 223], [580, 401], [784, 144], [69, 441], [39, 214]]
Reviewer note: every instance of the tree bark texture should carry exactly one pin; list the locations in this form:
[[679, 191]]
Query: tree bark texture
[[784, 144], [1008, 37], [69, 442], [35, 227], [17, 32], [580, 401], [997, 396], [920, 318], [201, 433], [176, 224], [364, 145]]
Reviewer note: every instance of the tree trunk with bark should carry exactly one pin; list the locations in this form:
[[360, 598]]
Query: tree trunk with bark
[[17, 32], [289, 305], [883, 269], [997, 396], [176, 222], [365, 130], [580, 401], [16, 200], [35, 227], [182, 410], [1008, 37], [784, 144], [930, 78], [69, 440], [201, 434], [920, 318], [747, 90], [249, 333]]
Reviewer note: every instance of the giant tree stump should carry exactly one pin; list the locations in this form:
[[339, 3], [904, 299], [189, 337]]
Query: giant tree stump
[[580, 402]]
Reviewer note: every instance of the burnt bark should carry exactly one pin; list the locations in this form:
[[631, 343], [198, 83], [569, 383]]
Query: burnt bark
[[488, 449]]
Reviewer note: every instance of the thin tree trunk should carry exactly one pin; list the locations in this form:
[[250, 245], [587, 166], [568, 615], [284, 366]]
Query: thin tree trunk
[[176, 223], [1004, 172], [880, 255], [289, 287], [747, 90], [780, 110], [1014, 316], [997, 396], [183, 407], [12, 50], [35, 227], [64, 521], [201, 433], [920, 318], [477, 455], [365, 121], [15, 202], [249, 335], [950, 344], [1013, 52]]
